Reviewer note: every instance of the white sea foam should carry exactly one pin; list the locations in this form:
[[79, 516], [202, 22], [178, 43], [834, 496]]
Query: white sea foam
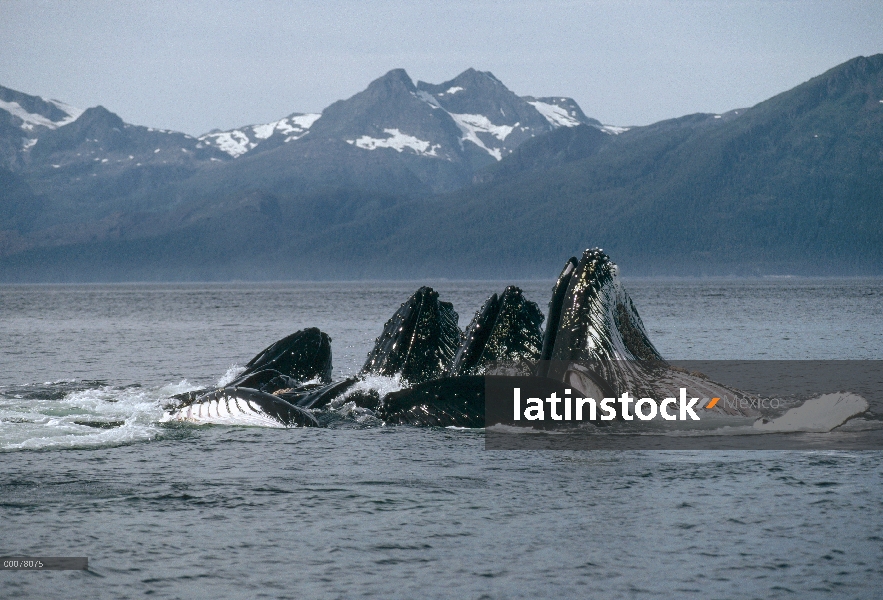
[[99, 416], [381, 384], [350, 410]]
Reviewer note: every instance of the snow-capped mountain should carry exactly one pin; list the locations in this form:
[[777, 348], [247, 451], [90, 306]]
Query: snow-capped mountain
[[23, 118], [47, 135], [32, 113], [472, 118], [237, 142], [473, 115], [396, 136]]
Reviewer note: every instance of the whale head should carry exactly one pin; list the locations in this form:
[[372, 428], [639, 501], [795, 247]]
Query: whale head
[[419, 340], [302, 356], [595, 339], [505, 330]]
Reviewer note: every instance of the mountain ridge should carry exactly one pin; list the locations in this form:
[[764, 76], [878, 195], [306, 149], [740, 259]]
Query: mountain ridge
[[790, 185]]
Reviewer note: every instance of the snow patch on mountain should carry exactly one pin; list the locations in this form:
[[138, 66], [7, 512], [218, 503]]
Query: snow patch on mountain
[[262, 132], [31, 120], [72, 111], [452, 90], [614, 130], [557, 116], [472, 125], [235, 143], [239, 141], [296, 125], [398, 141], [427, 97]]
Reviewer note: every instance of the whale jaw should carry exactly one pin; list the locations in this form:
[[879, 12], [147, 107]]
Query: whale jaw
[[598, 320], [242, 406]]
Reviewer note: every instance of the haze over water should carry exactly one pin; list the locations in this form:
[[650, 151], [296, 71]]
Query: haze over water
[[205, 512]]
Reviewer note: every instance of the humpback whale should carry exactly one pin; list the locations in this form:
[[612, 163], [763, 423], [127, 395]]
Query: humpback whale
[[594, 343]]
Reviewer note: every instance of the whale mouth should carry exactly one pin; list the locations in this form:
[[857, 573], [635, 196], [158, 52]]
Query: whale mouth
[[302, 356]]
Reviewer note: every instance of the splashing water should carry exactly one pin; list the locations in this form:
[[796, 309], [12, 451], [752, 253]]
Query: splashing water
[[78, 414], [232, 373]]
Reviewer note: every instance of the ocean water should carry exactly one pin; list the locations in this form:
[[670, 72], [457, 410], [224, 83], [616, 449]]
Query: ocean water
[[215, 512]]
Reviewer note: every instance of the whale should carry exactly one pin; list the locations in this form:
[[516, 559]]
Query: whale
[[418, 342], [594, 343]]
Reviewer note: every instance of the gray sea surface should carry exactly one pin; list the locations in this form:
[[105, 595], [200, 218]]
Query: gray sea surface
[[180, 511]]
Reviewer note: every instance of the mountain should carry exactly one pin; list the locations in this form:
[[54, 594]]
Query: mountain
[[473, 113], [463, 178], [23, 118], [394, 138], [793, 185]]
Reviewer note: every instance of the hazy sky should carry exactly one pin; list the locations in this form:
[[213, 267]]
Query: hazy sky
[[193, 66]]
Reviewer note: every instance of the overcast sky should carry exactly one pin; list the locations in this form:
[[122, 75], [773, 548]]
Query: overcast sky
[[194, 66]]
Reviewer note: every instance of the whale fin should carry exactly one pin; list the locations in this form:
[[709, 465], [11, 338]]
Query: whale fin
[[505, 330], [419, 340], [820, 414]]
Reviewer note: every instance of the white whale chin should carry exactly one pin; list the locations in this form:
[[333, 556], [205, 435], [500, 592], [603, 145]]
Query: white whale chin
[[818, 415]]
